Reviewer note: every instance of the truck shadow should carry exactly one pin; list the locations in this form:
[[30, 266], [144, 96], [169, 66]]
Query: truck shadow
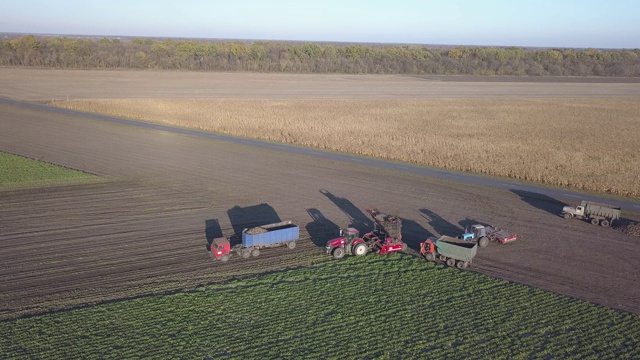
[[250, 216], [212, 230], [357, 218], [540, 201], [440, 225], [321, 229]]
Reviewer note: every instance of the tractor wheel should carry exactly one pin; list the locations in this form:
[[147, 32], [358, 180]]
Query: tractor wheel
[[404, 246], [224, 258], [360, 250], [483, 242], [246, 253], [594, 221], [430, 256], [255, 252], [567, 216], [338, 253], [604, 223], [291, 245], [451, 262]]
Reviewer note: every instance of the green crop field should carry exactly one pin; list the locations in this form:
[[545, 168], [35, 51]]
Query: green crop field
[[394, 306], [17, 171]]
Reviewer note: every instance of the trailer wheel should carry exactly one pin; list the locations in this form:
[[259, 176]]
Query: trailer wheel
[[291, 245], [461, 264], [360, 249], [451, 262], [430, 256], [245, 253], [338, 253], [567, 216], [604, 223], [255, 252], [224, 258], [483, 242], [594, 221]]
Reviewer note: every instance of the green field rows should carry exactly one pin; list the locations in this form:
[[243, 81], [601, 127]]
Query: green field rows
[[17, 170], [391, 306]]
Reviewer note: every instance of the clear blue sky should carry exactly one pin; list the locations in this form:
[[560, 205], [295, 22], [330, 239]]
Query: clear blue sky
[[545, 23]]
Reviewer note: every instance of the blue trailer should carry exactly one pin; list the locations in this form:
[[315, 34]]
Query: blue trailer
[[270, 235]]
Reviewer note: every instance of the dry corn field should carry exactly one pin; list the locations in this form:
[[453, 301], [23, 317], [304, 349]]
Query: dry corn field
[[588, 144]]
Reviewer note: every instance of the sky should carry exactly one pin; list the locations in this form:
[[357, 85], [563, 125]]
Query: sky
[[541, 23]]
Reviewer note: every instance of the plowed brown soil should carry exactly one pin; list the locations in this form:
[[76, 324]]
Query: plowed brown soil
[[145, 229]]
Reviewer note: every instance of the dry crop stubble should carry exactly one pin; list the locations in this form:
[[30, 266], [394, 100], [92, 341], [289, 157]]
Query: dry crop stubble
[[589, 144]]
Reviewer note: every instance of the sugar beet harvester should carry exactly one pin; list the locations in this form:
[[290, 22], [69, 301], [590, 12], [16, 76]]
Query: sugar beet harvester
[[386, 237], [257, 238]]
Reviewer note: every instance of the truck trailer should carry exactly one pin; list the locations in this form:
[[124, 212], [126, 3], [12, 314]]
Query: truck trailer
[[257, 238]]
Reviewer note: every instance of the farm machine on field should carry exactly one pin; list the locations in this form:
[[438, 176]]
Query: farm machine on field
[[386, 237], [481, 235], [255, 239]]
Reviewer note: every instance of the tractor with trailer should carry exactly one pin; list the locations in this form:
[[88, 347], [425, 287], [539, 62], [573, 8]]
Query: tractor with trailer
[[386, 237], [481, 235], [450, 250], [257, 238], [593, 212]]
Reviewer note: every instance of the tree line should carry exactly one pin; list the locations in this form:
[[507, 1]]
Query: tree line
[[294, 57]]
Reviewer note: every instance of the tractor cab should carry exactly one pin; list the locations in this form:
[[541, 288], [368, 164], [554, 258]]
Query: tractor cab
[[220, 248], [349, 234], [476, 232]]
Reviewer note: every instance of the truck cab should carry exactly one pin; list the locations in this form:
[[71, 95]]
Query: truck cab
[[220, 248], [569, 211]]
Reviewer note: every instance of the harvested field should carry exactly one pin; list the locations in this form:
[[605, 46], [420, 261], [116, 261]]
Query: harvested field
[[587, 144], [145, 230]]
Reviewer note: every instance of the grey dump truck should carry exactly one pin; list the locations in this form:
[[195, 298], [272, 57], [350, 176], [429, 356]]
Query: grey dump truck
[[453, 251], [592, 212]]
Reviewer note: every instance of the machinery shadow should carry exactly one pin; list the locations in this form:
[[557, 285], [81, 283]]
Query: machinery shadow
[[321, 229], [250, 216], [357, 218], [440, 225], [413, 234], [540, 201], [212, 230], [466, 223]]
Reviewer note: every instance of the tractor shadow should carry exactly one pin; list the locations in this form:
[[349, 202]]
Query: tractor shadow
[[540, 201], [248, 217], [440, 225], [466, 224], [321, 229], [212, 230], [358, 219]]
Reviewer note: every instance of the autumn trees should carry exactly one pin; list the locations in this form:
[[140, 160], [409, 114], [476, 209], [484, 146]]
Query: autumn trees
[[299, 57]]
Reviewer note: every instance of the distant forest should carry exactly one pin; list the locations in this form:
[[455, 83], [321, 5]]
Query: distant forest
[[291, 57]]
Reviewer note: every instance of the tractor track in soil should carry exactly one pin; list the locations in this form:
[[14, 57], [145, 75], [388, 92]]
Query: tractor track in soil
[[144, 229]]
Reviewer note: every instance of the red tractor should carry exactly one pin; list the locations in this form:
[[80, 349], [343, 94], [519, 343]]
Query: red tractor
[[386, 237]]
